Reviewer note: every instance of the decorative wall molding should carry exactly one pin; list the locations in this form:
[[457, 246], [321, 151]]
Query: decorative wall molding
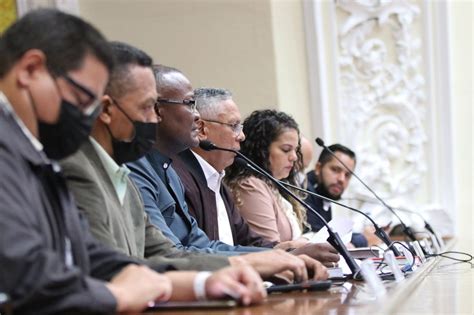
[[388, 101], [382, 94], [318, 67]]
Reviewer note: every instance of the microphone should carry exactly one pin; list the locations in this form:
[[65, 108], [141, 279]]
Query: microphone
[[209, 146], [407, 230], [334, 239], [379, 232], [427, 224]]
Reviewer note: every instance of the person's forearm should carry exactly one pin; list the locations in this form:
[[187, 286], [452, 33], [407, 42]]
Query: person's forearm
[[182, 282]]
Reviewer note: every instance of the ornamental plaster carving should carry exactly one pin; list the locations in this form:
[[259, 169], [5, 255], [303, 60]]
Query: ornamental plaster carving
[[382, 92]]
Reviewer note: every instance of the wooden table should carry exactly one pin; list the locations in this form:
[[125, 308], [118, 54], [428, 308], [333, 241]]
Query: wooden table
[[440, 286]]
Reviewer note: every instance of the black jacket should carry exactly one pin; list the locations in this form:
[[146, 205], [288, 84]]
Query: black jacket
[[49, 262], [315, 203]]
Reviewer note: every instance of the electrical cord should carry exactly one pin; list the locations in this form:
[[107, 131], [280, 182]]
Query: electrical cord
[[372, 250], [405, 270], [446, 255]]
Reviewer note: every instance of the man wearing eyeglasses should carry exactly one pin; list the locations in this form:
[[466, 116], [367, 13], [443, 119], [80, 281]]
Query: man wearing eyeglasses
[[51, 79], [202, 171], [124, 131], [163, 194], [209, 201]]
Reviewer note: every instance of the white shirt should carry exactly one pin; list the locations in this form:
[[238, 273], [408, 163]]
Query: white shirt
[[214, 181], [118, 174], [326, 205], [291, 215]]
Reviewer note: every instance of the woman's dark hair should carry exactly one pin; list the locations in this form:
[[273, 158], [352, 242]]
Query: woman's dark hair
[[261, 129]]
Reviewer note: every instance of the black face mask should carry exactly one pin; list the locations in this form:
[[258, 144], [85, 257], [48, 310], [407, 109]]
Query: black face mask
[[142, 142], [64, 137]]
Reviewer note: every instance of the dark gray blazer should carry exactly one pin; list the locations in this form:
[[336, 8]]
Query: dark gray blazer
[[49, 262], [124, 227]]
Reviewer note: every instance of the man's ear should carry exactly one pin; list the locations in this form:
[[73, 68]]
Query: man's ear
[[317, 168], [31, 66], [159, 113], [106, 113], [203, 131]]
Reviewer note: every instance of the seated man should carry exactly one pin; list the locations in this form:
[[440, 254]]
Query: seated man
[[202, 171], [123, 132], [50, 80], [329, 179], [209, 201], [162, 189]]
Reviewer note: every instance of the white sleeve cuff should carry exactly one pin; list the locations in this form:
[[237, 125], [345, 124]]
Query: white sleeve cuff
[[199, 285]]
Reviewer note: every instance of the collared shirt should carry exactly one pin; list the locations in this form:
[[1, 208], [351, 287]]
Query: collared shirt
[[118, 174], [214, 181], [164, 199], [157, 181], [326, 205]]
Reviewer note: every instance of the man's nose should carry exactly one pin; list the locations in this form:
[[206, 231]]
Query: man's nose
[[152, 118], [196, 115], [241, 136], [341, 177]]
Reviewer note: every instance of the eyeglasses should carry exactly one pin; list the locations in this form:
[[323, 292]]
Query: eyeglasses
[[89, 106], [190, 103], [236, 127]]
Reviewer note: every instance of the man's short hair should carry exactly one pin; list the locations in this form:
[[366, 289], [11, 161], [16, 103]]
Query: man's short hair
[[63, 38], [164, 79], [208, 100], [326, 156], [125, 56]]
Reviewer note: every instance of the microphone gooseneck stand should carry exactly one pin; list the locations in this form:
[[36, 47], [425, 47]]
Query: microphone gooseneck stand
[[334, 239], [379, 232], [406, 229]]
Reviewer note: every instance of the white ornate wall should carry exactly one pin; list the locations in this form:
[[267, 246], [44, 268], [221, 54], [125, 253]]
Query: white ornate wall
[[377, 73], [379, 82]]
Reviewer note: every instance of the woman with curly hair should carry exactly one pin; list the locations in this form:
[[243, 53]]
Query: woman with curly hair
[[273, 142]]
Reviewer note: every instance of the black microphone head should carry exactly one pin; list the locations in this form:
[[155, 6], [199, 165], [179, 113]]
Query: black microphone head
[[207, 145], [238, 161], [320, 142]]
